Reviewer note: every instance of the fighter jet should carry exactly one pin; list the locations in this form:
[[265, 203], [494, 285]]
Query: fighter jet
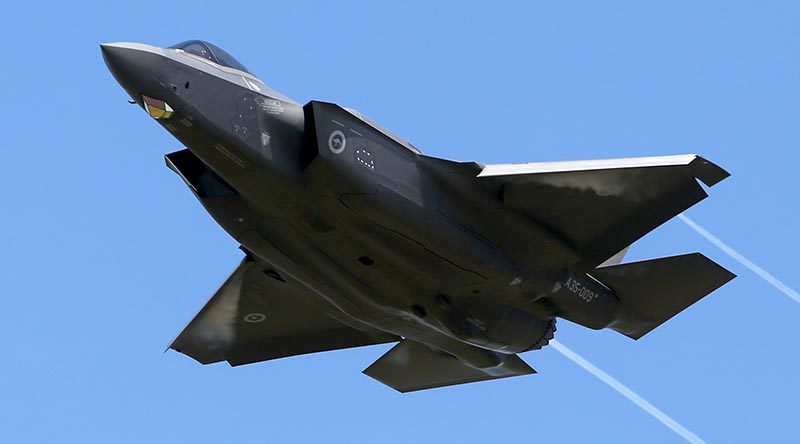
[[352, 236]]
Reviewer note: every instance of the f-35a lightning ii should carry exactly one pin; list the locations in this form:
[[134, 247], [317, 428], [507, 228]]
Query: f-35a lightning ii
[[352, 236]]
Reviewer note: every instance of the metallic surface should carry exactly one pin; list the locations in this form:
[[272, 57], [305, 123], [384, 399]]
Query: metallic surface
[[353, 237]]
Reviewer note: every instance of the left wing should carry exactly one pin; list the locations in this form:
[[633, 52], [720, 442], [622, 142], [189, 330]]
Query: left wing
[[258, 315]]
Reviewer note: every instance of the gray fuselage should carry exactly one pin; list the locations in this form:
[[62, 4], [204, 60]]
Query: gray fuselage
[[385, 236]]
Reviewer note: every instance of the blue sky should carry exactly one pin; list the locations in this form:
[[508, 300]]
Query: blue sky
[[106, 255]]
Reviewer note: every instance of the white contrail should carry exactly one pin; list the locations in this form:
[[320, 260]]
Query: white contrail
[[742, 260], [628, 393]]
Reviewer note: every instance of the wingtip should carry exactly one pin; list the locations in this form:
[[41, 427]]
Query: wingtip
[[171, 345], [708, 172]]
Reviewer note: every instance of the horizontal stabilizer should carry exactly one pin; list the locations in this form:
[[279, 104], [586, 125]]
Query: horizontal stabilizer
[[653, 291], [411, 366]]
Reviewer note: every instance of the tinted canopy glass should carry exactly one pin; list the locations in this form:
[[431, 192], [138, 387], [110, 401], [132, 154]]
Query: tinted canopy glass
[[210, 52]]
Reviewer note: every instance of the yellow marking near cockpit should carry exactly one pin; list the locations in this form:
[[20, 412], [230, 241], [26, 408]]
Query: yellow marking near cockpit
[[158, 109]]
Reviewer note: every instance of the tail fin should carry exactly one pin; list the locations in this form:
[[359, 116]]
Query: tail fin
[[653, 291]]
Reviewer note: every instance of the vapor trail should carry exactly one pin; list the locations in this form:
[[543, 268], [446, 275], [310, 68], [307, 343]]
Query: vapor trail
[[628, 393], [742, 260]]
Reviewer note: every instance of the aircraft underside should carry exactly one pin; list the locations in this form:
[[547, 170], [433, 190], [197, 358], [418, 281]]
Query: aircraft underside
[[353, 237]]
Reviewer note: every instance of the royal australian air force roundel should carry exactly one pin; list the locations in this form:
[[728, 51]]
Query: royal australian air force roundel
[[337, 142]]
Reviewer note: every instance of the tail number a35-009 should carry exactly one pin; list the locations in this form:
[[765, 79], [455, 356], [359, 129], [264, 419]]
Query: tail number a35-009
[[580, 290]]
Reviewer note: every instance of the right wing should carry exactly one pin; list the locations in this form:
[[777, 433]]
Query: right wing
[[602, 206], [259, 315]]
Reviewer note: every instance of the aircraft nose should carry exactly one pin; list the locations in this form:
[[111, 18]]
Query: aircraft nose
[[132, 64], [113, 54]]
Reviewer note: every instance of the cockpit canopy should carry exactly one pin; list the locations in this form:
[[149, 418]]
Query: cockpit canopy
[[211, 52]]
